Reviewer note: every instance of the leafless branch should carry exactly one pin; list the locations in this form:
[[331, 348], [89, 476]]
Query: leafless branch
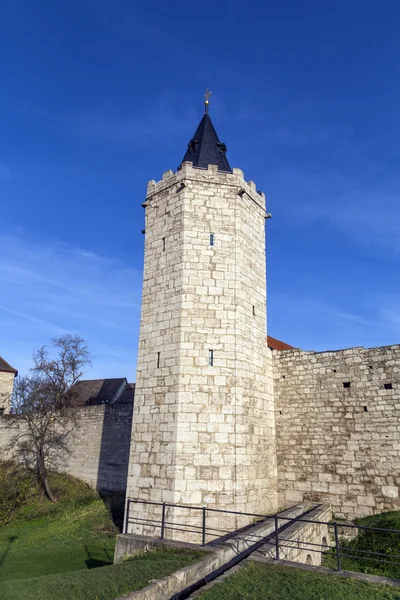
[[44, 406]]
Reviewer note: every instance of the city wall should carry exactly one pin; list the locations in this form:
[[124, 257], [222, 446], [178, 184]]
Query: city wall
[[99, 446], [338, 428]]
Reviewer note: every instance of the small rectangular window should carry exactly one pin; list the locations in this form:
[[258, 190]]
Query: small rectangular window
[[212, 239], [211, 358], [346, 384], [163, 244], [158, 359], [388, 386]]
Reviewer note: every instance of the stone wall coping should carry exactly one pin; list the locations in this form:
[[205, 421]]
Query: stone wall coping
[[296, 351], [320, 515]]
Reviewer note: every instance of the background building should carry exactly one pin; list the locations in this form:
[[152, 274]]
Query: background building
[[7, 375]]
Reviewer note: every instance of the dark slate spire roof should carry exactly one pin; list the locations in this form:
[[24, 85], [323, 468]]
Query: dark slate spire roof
[[205, 148]]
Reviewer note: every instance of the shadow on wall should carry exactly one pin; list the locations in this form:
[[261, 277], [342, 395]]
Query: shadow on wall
[[112, 473]]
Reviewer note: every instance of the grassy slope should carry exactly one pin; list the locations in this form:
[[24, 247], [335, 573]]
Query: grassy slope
[[106, 583], [386, 543], [76, 536], [49, 551], [42, 538], [270, 582]]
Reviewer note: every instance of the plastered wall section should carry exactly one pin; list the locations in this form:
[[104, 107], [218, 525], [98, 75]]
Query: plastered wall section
[[201, 432], [99, 446], [6, 388], [335, 444]]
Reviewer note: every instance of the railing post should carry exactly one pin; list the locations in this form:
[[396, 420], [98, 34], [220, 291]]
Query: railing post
[[339, 567], [127, 516], [203, 528], [162, 521], [276, 538]]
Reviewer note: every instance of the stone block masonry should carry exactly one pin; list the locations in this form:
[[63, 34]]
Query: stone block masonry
[[99, 446], [303, 542], [6, 387], [338, 428], [203, 427]]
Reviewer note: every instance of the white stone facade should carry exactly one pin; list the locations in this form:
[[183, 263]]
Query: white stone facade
[[98, 445], [338, 428], [6, 388], [203, 434], [222, 422]]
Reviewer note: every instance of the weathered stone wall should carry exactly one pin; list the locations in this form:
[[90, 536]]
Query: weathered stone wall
[[201, 432], [99, 446], [6, 388], [303, 542], [335, 444]]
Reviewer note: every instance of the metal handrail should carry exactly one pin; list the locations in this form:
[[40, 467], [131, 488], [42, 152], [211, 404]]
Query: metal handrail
[[275, 537]]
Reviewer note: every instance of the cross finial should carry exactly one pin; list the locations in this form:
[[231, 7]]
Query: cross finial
[[207, 101]]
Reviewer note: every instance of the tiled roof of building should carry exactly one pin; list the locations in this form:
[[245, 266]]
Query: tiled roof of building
[[275, 344], [205, 148], [6, 368], [92, 392]]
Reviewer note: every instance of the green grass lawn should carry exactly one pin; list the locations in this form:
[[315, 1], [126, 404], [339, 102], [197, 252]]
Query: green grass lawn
[[53, 551], [106, 583], [373, 541], [257, 581], [75, 536]]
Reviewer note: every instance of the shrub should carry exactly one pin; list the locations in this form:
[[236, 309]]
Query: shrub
[[21, 495], [17, 488]]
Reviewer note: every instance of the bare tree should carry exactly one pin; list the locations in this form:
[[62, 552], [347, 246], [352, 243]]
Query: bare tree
[[44, 406]]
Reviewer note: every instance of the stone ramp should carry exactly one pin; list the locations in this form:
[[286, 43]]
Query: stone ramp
[[181, 584], [301, 541]]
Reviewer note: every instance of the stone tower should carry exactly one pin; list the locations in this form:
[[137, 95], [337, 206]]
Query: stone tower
[[203, 429]]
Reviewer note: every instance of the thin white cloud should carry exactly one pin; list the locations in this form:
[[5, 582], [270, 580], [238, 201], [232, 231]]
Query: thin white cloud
[[390, 314], [313, 324], [364, 208], [25, 316], [47, 289]]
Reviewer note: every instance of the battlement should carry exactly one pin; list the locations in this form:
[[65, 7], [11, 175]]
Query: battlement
[[211, 175]]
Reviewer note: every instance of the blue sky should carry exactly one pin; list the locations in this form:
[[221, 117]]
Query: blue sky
[[98, 97]]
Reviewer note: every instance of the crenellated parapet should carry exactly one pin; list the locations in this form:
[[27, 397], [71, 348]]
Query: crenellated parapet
[[188, 173]]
